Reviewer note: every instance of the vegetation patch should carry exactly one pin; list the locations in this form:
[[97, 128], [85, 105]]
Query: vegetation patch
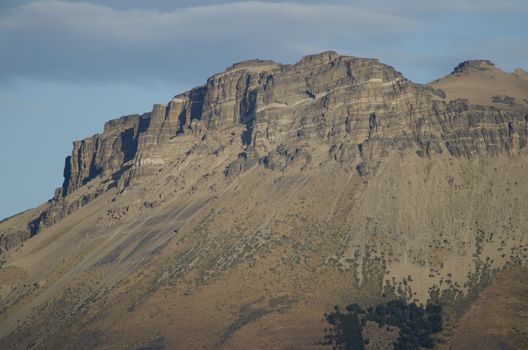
[[416, 323], [519, 337]]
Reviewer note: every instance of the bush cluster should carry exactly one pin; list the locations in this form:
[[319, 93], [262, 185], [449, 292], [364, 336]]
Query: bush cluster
[[416, 324]]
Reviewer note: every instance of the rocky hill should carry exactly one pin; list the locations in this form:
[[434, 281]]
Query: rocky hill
[[240, 212], [480, 82]]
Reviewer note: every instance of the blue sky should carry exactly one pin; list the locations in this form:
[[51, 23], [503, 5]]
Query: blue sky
[[66, 67]]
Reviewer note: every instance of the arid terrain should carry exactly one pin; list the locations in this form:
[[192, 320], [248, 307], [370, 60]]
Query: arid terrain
[[237, 215]]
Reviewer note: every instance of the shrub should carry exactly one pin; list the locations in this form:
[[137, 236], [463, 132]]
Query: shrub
[[416, 323]]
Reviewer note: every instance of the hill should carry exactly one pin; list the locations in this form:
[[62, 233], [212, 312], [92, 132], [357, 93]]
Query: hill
[[480, 82]]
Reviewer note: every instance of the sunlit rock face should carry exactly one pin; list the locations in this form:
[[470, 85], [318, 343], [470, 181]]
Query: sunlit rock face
[[361, 109]]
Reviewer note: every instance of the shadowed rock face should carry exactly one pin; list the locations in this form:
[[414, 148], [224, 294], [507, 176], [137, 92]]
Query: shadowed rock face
[[105, 154], [361, 109]]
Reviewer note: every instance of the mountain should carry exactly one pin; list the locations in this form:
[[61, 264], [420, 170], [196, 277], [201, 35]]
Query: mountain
[[237, 215]]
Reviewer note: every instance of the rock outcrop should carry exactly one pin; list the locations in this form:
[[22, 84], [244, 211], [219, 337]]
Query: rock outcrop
[[11, 239], [361, 110], [474, 65]]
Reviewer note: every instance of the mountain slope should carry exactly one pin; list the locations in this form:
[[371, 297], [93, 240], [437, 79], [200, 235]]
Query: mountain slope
[[242, 211], [497, 320], [521, 73], [480, 82]]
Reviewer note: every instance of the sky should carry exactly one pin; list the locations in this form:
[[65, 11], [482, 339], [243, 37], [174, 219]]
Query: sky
[[66, 67]]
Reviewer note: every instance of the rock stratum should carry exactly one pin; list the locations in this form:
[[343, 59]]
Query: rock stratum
[[237, 214]]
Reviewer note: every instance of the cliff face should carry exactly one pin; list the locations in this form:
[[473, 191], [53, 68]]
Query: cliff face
[[344, 101], [362, 109], [103, 155], [264, 197]]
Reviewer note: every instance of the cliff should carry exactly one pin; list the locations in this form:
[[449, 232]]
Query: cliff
[[360, 108]]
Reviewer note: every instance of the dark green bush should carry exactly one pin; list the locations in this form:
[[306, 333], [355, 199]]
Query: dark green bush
[[416, 323]]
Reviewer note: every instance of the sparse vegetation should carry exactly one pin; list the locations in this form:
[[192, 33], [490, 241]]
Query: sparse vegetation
[[519, 337]]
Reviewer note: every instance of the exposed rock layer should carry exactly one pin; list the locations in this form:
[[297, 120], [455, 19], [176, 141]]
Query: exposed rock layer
[[360, 108]]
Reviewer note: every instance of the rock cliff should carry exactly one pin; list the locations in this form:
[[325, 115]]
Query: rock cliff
[[361, 109]]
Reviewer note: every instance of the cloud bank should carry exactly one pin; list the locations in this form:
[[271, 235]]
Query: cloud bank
[[107, 41], [79, 41]]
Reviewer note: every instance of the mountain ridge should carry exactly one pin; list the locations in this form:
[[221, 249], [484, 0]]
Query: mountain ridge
[[261, 199], [94, 156]]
